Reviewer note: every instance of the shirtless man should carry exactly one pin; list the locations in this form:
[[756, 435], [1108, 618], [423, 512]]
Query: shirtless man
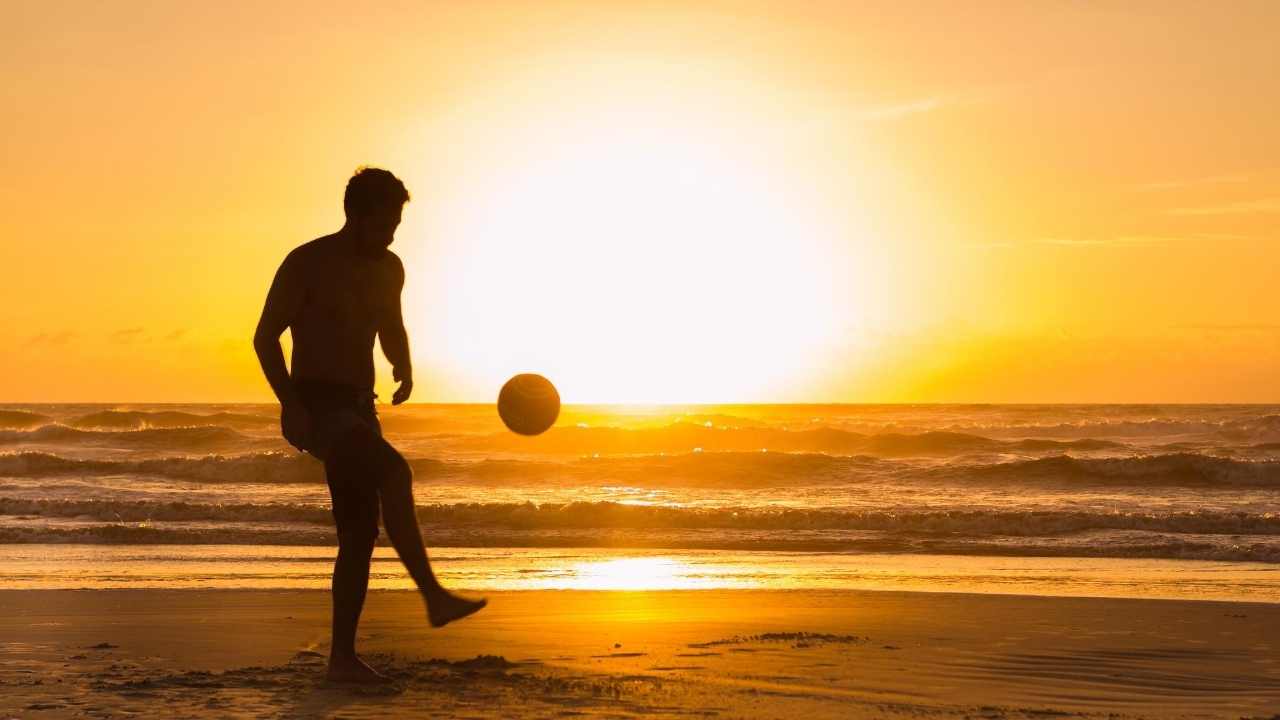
[[335, 294]]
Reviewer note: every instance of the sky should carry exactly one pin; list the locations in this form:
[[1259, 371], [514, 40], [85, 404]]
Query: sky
[[657, 202]]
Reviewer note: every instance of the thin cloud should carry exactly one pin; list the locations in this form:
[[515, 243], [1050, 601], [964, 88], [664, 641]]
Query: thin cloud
[[54, 339], [1191, 182], [1139, 240], [894, 111], [874, 111], [1247, 207], [1113, 241], [126, 335], [1122, 240], [1246, 327]]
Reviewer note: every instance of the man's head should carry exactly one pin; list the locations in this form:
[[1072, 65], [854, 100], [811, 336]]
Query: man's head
[[373, 201]]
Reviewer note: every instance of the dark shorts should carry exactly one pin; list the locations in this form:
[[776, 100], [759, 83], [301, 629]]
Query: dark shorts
[[340, 415]]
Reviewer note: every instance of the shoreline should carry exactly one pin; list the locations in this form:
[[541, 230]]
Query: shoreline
[[70, 566], [729, 653]]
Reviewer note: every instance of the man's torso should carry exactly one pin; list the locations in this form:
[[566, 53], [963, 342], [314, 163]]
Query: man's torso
[[347, 298]]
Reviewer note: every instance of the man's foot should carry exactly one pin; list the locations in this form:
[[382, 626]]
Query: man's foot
[[443, 607], [354, 670]]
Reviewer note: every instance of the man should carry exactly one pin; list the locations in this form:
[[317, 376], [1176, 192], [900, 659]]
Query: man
[[336, 293]]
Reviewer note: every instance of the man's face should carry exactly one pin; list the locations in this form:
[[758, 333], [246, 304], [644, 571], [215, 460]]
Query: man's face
[[378, 229]]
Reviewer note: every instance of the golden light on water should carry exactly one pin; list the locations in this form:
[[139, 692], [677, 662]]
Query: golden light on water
[[637, 573]]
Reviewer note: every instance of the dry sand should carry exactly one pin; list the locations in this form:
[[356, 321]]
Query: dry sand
[[742, 653]]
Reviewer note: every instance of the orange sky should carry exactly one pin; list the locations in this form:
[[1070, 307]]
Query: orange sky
[[989, 202]]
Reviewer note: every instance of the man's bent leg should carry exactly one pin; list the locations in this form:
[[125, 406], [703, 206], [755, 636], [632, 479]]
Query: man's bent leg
[[399, 516]]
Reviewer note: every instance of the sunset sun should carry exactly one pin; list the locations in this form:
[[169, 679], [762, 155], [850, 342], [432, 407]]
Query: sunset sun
[[639, 262]]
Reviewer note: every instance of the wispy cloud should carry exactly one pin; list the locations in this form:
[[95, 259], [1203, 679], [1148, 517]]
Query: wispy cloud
[[1245, 327], [1112, 241], [1191, 182], [54, 339], [126, 335], [1246, 207], [875, 110], [1121, 240], [894, 111]]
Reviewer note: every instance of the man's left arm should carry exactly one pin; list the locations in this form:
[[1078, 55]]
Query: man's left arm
[[394, 339]]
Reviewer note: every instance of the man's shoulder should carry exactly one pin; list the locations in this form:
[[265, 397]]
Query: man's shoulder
[[391, 267], [392, 261], [308, 251]]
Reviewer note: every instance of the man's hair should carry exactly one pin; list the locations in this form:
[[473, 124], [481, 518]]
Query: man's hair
[[370, 189]]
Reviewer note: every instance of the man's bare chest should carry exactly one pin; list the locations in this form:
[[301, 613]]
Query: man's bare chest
[[353, 296]]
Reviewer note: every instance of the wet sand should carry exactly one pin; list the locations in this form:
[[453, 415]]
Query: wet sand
[[707, 653]]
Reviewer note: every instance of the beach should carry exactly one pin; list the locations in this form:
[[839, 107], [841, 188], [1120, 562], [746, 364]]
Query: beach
[[736, 653]]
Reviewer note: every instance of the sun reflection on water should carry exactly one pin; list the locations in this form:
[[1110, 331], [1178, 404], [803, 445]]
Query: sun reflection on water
[[636, 573]]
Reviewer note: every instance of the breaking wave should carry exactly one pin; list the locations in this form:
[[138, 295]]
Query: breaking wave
[[1177, 469], [140, 420], [715, 469], [682, 437], [1265, 428], [21, 419], [177, 438], [605, 515], [1205, 536], [252, 468]]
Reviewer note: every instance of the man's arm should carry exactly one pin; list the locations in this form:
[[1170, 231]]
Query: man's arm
[[283, 302], [395, 340]]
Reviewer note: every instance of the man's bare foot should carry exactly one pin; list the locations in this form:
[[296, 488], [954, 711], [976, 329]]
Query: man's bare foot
[[443, 607], [354, 670]]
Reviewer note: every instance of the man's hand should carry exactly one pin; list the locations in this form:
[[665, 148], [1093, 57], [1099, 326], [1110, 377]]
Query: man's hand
[[405, 378], [295, 425]]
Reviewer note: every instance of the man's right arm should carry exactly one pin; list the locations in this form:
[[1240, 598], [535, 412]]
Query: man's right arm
[[284, 299]]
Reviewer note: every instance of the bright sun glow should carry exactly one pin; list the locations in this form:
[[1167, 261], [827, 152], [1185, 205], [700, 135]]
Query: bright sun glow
[[642, 262]]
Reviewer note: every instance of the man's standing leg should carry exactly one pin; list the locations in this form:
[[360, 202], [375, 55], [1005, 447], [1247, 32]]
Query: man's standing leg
[[355, 509], [350, 585]]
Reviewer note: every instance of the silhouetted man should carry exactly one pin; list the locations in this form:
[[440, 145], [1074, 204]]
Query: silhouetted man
[[335, 294]]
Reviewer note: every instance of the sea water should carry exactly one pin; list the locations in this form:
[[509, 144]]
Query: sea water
[[1121, 500]]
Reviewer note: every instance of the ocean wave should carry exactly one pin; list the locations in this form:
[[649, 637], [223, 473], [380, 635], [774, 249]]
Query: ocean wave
[[1104, 543], [611, 515], [270, 467], [689, 469], [141, 420], [147, 534], [250, 468], [1264, 428], [21, 419], [177, 438], [1176, 469], [729, 470], [683, 437]]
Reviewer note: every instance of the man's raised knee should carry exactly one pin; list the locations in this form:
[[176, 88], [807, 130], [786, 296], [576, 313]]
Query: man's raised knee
[[395, 469]]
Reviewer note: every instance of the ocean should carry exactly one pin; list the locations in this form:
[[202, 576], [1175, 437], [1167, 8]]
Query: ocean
[[1122, 500]]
